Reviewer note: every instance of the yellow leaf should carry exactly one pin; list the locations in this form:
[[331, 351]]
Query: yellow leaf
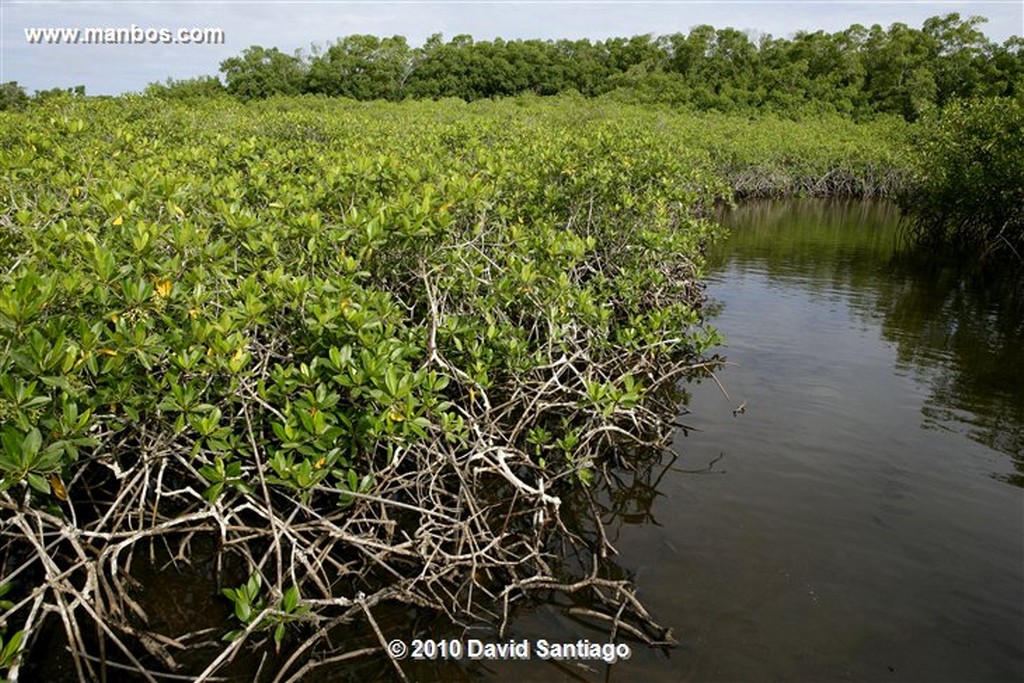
[[395, 416], [163, 288], [320, 463], [178, 210], [58, 487], [238, 355], [119, 220], [107, 352]]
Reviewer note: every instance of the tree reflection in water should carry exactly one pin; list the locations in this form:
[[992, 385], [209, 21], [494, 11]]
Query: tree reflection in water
[[958, 331]]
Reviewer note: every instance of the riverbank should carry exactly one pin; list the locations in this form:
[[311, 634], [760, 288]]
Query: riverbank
[[967, 192], [862, 517]]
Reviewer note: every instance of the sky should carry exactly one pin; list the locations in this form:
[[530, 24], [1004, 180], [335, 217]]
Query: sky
[[298, 24]]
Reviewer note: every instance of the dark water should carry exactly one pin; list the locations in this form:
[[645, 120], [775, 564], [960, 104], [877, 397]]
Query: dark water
[[864, 520]]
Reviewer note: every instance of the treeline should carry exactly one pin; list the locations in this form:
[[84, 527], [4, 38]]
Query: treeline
[[14, 97], [859, 71], [969, 191]]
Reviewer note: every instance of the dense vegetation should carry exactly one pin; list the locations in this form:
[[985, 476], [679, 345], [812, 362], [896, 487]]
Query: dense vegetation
[[366, 347], [964, 89], [859, 71], [969, 186]]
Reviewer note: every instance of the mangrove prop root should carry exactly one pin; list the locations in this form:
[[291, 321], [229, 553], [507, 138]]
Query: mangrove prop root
[[460, 528], [468, 523]]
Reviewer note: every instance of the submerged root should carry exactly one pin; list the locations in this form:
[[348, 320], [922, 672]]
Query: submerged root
[[464, 528]]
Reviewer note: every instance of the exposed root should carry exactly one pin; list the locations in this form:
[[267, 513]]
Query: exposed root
[[461, 527]]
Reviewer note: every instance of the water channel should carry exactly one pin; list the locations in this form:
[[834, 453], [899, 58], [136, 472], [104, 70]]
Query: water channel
[[862, 518]]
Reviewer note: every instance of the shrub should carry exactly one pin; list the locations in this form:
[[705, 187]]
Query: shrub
[[969, 190]]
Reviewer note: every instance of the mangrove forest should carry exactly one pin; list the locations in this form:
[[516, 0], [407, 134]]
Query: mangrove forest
[[375, 331]]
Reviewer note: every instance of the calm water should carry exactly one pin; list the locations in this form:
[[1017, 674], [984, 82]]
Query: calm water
[[864, 518]]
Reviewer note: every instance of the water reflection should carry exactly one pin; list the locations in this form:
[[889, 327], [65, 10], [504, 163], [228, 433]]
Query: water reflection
[[963, 333], [958, 332], [856, 532]]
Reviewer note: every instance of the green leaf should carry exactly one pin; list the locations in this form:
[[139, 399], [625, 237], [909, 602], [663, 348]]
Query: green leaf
[[391, 381], [210, 473], [12, 444], [49, 460], [10, 650], [7, 463], [38, 482], [30, 446], [243, 610], [291, 599], [211, 494], [253, 585]]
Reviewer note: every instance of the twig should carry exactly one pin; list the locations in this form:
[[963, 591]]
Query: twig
[[383, 641]]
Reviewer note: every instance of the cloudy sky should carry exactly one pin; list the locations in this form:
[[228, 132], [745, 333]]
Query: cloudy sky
[[294, 24]]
